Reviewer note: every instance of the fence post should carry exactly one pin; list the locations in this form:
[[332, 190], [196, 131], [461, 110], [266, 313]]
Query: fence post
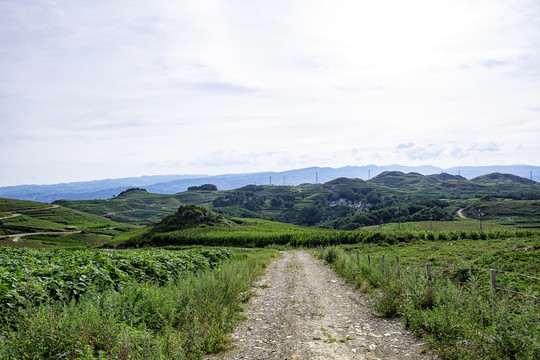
[[397, 266], [369, 261], [428, 273], [493, 285], [382, 262]]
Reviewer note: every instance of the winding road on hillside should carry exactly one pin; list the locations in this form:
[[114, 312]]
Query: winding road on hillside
[[461, 214], [16, 237], [302, 310]]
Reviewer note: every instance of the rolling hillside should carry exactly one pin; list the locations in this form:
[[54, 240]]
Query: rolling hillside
[[342, 203], [34, 224]]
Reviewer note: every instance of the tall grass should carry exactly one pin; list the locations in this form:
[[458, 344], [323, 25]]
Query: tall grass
[[459, 320], [183, 319]]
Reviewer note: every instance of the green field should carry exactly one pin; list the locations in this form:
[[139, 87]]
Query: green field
[[518, 213], [64, 227]]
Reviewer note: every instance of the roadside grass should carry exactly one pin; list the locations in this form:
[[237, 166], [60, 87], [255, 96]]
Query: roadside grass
[[454, 312], [183, 319]]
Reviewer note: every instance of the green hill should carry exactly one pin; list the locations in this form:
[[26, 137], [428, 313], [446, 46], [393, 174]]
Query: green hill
[[191, 216], [28, 223], [498, 178], [196, 225], [342, 203]]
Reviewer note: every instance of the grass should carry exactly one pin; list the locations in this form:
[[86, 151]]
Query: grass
[[517, 213], [457, 225]]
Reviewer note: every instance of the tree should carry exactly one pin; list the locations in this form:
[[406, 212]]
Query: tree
[[206, 187], [276, 202]]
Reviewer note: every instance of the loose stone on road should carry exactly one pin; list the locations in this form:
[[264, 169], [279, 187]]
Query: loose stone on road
[[302, 310]]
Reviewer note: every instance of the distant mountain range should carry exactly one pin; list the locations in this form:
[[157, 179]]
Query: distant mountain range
[[171, 184]]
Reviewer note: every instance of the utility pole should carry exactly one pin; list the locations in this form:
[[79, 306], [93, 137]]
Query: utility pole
[[270, 180], [284, 181], [369, 174], [480, 215], [316, 178]]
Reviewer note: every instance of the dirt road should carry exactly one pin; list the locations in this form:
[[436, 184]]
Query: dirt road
[[302, 310], [15, 237], [461, 214]]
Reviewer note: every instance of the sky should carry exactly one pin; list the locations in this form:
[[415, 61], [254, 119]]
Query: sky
[[116, 88]]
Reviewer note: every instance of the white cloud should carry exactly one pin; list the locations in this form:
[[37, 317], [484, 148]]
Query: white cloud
[[236, 85]]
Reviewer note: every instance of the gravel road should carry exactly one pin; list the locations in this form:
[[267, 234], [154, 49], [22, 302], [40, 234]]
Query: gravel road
[[302, 310]]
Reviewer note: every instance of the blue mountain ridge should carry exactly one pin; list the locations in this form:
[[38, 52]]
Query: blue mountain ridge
[[170, 184]]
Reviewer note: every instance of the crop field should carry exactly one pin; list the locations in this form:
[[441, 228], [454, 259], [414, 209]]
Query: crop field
[[66, 216], [247, 232], [437, 226], [76, 240], [69, 273], [129, 304], [27, 224], [12, 205], [60, 224]]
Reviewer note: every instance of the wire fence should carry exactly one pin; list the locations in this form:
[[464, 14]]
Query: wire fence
[[384, 262]]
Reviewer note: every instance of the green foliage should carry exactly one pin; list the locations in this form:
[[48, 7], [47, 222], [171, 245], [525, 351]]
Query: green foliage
[[35, 275], [184, 318], [190, 216], [131, 191], [205, 187]]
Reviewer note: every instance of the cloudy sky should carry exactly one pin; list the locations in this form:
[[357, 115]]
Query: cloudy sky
[[114, 88]]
